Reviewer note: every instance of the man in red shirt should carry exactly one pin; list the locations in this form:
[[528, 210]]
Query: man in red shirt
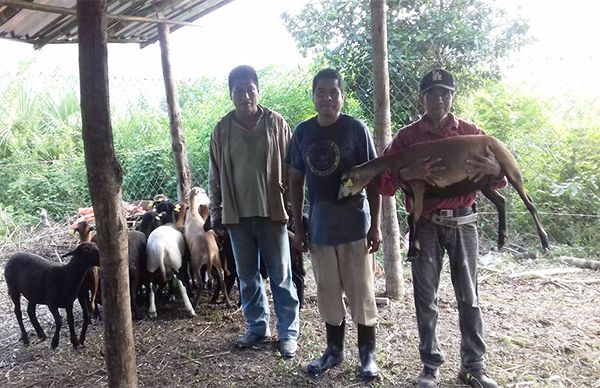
[[436, 94]]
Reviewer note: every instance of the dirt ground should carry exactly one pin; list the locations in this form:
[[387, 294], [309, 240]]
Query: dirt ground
[[541, 331]]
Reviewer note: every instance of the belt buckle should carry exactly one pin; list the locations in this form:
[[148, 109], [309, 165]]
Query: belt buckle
[[446, 213]]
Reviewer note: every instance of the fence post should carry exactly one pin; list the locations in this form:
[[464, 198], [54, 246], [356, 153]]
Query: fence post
[[394, 281]]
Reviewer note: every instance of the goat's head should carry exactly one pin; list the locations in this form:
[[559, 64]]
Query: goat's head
[[86, 252], [198, 196], [353, 181], [84, 229]]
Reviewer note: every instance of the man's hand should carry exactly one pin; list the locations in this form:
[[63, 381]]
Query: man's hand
[[373, 239], [483, 165], [300, 240], [425, 169]]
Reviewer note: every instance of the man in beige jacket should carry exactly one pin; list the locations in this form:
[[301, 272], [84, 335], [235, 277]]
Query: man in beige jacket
[[247, 181]]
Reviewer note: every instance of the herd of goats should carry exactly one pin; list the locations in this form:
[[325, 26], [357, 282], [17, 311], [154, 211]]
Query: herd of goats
[[172, 247]]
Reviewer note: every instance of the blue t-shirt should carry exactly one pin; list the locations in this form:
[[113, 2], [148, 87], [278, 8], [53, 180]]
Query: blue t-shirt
[[323, 154]]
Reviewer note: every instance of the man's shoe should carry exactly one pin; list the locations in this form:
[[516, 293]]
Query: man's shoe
[[428, 378], [333, 354], [477, 379], [251, 339], [331, 357], [368, 369], [287, 348]]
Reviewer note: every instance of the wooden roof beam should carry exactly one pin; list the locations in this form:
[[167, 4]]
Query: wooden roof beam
[[69, 11]]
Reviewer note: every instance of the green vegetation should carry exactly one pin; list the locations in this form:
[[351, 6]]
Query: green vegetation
[[556, 141]]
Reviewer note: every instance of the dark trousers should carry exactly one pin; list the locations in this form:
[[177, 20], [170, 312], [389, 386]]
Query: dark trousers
[[461, 244]]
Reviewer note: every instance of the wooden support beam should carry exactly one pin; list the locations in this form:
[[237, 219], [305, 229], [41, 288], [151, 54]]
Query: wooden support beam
[[182, 165], [104, 182]]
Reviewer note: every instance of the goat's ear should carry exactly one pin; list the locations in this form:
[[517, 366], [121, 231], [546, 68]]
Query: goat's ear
[[71, 253]]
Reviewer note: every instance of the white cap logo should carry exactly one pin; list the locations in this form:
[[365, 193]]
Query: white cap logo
[[436, 76]]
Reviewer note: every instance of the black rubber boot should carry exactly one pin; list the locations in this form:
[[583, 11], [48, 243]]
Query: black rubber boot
[[366, 349], [333, 354]]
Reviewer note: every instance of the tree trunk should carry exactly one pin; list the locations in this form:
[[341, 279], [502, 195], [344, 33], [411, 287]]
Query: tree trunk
[[394, 280], [104, 182], [180, 157]]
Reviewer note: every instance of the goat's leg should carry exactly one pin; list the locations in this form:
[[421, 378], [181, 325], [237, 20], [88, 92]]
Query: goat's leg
[[500, 204], [217, 287], [93, 283], [152, 307], [86, 319], [414, 246], [517, 183], [133, 286], [84, 301], [186, 299], [220, 274], [71, 323], [34, 321], [198, 293], [298, 275], [17, 302], [57, 324]]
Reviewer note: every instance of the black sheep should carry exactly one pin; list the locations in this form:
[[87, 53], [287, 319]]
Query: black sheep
[[56, 285]]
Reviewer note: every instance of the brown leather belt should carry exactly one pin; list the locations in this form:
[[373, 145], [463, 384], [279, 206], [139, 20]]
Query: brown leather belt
[[453, 217]]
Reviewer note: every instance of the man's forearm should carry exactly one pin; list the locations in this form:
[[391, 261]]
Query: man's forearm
[[374, 204], [296, 194]]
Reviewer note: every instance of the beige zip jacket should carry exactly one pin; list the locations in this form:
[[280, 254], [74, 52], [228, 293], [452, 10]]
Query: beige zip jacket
[[222, 201]]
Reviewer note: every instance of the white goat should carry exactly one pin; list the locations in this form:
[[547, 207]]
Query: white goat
[[165, 250]]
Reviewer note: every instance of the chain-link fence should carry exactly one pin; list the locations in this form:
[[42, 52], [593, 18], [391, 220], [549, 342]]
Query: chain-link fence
[[551, 131]]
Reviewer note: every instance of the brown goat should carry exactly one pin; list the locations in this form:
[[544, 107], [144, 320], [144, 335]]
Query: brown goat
[[454, 180], [204, 249], [91, 283]]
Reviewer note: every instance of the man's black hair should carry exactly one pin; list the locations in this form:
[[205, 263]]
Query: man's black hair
[[242, 72], [328, 74]]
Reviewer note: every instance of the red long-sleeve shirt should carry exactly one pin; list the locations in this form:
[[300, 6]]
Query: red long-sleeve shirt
[[418, 132]]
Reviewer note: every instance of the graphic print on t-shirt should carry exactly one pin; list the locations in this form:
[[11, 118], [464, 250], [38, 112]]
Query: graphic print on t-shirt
[[323, 157]]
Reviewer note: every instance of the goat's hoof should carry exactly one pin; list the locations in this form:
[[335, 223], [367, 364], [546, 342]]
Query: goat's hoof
[[25, 341], [42, 337], [54, 344], [152, 315]]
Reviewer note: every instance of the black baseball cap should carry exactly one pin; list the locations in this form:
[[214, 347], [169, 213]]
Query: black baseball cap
[[437, 77]]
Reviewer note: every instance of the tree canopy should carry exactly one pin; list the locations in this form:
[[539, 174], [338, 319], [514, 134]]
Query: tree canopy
[[467, 37]]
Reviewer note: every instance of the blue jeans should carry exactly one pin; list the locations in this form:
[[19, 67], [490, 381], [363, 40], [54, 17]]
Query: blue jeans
[[461, 244], [256, 237]]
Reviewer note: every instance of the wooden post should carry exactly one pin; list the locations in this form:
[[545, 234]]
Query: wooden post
[[394, 280], [182, 165], [104, 182]]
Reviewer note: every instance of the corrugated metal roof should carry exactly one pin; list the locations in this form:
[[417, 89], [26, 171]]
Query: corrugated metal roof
[[42, 22]]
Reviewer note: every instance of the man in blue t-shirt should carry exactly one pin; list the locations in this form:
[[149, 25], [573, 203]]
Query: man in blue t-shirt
[[341, 235]]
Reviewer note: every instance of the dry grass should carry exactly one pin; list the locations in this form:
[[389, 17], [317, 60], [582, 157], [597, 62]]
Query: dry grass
[[540, 332]]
